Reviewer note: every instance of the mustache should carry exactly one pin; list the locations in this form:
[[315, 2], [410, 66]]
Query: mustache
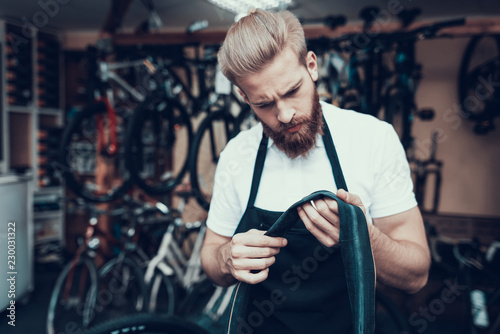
[[293, 123]]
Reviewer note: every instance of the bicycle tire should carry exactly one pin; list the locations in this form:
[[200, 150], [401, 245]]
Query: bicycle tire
[[388, 317], [55, 321], [164, 292], [472, 78], [146, 324], [220, 124], [157, 144], [245, 120], [77, 157], [125, 291]]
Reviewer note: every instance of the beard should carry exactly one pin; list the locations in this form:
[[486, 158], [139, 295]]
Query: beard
[[298, 143]]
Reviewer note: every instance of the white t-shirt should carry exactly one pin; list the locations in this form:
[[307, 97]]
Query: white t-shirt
[[371, 157]]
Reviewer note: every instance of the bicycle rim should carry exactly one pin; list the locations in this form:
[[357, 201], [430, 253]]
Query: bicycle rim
[[147, 323], [210, 139], [89, 171], [158, 141], [73, 307], [121, 289]]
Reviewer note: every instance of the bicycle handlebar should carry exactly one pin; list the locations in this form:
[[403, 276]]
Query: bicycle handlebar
[[359, 41]]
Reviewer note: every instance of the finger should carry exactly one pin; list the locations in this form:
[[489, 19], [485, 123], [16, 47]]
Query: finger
[[328, 210], [254, 264], [325, 238], [251, 278], [243, 251], [322, 218], [351, 198], [256, 238]]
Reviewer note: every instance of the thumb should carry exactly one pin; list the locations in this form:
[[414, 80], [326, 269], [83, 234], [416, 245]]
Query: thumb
[[343, 195], [350, 198]]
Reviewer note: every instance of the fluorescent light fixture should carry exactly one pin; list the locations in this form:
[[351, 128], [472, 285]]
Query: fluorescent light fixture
[[241, 7]]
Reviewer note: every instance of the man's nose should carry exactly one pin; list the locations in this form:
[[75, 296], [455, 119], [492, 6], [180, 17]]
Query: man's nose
[[285, 112]]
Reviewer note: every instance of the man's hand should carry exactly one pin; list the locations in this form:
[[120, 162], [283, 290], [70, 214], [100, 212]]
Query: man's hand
[[251, 251], [323, 221]]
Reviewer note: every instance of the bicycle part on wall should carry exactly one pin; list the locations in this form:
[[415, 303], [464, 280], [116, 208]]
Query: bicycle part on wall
[[478, 82]]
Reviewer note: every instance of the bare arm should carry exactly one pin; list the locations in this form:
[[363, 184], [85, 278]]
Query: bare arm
[[227, 260], [400, 249], [398, 242]]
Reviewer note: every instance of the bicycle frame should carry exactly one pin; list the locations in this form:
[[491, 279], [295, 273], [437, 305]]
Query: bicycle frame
[[171, 261]]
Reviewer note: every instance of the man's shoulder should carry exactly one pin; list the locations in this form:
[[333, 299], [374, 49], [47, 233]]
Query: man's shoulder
[[352, 122]]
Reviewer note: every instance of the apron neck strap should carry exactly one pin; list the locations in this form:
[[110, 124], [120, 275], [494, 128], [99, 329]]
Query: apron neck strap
[[333, 157], [257, 171], [330, 151]]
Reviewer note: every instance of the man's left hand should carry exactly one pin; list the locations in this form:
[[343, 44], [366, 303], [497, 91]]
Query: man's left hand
[[323, 221]]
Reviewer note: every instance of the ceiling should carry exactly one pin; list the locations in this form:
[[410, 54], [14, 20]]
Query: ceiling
[[89, 15]]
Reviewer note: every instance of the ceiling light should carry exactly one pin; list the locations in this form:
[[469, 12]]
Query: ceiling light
[[241, 7]]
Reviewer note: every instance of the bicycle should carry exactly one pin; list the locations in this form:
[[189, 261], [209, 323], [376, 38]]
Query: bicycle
[[176, 282], [475, 267], [91, 151], [86, 292], [75, 292]]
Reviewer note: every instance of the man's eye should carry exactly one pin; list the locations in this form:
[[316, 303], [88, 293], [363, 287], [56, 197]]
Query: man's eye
[[264, 106], [292, 92]]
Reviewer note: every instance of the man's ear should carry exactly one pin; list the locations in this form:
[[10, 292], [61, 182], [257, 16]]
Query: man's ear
[[312, 65], [243, 95]]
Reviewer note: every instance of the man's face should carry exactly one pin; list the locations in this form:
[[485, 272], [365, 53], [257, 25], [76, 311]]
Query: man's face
[[284, 98]]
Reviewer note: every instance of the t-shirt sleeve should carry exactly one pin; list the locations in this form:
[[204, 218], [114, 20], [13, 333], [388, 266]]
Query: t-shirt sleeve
[[392, 190], [225, 209]]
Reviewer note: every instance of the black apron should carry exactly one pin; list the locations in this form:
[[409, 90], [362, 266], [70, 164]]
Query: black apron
[[306, 290]]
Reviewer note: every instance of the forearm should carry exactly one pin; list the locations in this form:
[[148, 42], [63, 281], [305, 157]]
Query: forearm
[[214, 263], [401, 264]]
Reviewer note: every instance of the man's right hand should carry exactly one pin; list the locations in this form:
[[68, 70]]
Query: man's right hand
[[249, 255]]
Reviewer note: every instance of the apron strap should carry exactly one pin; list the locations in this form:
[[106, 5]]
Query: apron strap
[[330, 151], [333, 157], [257, 170]]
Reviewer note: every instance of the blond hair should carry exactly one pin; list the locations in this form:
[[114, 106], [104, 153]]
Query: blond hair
[[254, 41]]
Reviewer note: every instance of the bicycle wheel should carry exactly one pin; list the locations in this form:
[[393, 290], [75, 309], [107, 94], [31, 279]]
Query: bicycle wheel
[[388, 319], [72, 303], [90, 170], [479, 69], [245, 120], [157, 144], [121, 289], [161, 295], [146, 324], [210, 139]]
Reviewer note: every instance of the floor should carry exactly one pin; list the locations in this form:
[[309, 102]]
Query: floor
[[31, 317]]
